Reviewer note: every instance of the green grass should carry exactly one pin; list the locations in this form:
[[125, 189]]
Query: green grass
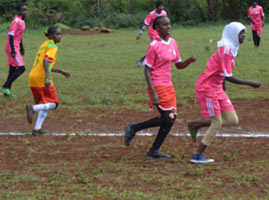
[[104, 73]]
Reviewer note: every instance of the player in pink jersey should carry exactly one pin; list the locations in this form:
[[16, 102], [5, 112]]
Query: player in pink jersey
[[210, 90], [14, 49], [256, 18], [161, 53], [148, 24]]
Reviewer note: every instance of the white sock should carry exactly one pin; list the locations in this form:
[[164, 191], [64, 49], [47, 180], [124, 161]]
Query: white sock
[[47, 106], [40, 119]]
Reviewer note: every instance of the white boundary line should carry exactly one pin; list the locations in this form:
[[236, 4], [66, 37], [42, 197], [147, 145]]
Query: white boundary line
[[244, 135]]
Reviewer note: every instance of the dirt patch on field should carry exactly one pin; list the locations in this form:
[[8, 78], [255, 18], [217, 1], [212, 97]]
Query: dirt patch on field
[[253, 116], [80, 32], [95, 31], [82, 167]]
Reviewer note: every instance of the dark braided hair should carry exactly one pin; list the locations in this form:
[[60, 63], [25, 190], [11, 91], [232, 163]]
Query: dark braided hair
[[157, 21], [51, 31]]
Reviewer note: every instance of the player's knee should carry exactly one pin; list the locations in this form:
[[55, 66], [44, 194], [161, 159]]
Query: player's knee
[[168, 118], [234, 121], [216, 124]]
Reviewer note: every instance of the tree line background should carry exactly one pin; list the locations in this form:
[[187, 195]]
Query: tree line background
[[125, 13]]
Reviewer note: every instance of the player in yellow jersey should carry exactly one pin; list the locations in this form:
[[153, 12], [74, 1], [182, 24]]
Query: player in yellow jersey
[[40, 80]]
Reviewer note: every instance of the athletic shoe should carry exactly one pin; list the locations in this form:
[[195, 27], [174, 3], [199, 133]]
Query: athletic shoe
[[30, 113], [199, 158], [7, 93], [129, 134], [193, 132], [157, 154], [39, 132]]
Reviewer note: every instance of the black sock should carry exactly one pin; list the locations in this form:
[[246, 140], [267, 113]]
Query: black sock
[[258, 41], [255, 38], [13, 74], [147, 124], [162, 134]]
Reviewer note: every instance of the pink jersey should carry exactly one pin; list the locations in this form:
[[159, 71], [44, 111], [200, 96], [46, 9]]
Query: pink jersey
[[159, 58], [16, 30], [219, 66], [255, 14], [149, 22]]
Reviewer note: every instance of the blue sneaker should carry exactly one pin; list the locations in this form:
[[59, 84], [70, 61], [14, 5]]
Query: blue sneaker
[[199, 158], [129, 134]]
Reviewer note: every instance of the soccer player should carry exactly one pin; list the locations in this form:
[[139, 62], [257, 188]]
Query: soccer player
[[161, 53], [256, 18], [148, 24], [15, 50], [40, 80], [210, 90]]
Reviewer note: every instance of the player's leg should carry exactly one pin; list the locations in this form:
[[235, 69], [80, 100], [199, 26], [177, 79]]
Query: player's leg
[[229, 118], [40, 119], [214, 128], [14, 73], [254, 37], [131, 129], [167, 121]]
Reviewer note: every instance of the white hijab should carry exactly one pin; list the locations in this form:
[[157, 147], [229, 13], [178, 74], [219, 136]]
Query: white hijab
[[230, 36]]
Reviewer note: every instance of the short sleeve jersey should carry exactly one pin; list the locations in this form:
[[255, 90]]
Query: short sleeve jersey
[[255, 14], [219, 66], [16, 30], [149, 22], [160, 56], [48, 50]]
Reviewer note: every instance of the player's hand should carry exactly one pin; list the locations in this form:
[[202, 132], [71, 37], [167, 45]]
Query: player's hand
[[138, 37], [13, 54], [155, 99], [47, 82], [255, 84], [66, 74], [192, 59], [22, 52]]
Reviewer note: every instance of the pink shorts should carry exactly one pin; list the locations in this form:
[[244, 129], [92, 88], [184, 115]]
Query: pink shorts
[[15, 62], [213, 103], [257, 28]]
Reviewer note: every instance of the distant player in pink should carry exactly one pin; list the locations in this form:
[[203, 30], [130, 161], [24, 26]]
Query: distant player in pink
[[148, 24], [162, 52], [256, 18], [14, 49], [210, 90]]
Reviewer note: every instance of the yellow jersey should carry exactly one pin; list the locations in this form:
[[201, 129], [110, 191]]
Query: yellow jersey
[[48, 50]]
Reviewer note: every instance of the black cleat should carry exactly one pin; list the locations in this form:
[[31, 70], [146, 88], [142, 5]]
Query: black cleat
[[157, 154], [129, 134], [39, 132]]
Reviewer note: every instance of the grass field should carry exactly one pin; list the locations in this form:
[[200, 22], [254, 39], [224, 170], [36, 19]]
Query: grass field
[[104, 75]]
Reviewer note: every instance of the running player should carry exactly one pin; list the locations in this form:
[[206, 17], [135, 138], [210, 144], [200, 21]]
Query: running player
[[161, 53], [214, 102], [148, 24], [15, 50], [40, 80], [256, 18]]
